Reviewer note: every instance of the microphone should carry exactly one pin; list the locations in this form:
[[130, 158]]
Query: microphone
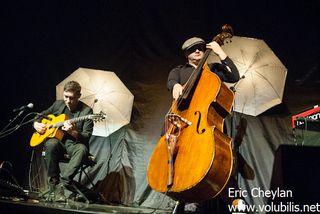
[[43, 116], [94, 102], [30, 105]]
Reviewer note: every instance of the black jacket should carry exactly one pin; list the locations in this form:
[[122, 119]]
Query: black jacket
[[181, 73], [84, 127]]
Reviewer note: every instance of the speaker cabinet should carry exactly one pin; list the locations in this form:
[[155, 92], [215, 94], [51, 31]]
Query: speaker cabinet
[[296, 169]]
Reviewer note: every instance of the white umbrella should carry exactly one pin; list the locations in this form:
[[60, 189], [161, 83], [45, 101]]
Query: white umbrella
[[262, 75], [103, 91]]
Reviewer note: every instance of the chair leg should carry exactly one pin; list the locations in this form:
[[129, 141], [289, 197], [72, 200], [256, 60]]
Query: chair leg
[[80, 193], [80, 173], [90, 180], [82, 170], [44, 194], [48, 194]]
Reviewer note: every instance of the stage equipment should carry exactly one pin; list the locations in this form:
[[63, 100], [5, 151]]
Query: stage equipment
[[295, 169], [9, 186], [262, 75], [311, 115], [5, 131], [22, 108], [103, 91]]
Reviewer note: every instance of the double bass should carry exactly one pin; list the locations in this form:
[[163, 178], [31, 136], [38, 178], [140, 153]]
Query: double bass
[[193, 160]]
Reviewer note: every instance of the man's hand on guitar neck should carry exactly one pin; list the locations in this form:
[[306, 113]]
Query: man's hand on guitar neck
[[70, 128]]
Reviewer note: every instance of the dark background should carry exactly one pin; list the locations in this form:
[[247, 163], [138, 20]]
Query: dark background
[[43, 42]]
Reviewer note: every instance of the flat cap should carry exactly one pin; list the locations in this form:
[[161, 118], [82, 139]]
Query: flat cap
[[191, 42]]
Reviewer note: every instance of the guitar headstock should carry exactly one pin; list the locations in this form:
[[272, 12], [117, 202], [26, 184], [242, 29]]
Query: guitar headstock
[[97, 117]]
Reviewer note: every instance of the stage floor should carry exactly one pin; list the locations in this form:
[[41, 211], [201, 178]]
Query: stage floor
[[16, 205]]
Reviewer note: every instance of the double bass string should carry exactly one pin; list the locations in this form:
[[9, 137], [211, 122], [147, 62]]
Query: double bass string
[[188, 87]]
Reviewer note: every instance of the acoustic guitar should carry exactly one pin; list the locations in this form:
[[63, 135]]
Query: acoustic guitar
[[54, 123]]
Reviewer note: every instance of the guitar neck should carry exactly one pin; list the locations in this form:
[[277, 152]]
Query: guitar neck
[[73, 120]]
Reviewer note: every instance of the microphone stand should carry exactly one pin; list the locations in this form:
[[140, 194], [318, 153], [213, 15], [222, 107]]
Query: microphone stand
[[5, 132], [10, 122]]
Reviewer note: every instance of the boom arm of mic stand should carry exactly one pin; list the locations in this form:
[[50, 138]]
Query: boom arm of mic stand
[[7, 132], [3, 130]]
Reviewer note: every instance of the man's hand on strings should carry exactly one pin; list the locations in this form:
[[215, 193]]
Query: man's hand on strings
[[40, 127], [177, 91]]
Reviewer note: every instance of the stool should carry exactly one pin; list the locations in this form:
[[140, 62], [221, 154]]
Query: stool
[[88, 162]]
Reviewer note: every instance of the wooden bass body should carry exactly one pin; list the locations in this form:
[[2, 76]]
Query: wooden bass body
[[201, 155]]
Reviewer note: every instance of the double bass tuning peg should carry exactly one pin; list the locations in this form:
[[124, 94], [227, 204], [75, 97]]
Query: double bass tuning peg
[[229, 41]]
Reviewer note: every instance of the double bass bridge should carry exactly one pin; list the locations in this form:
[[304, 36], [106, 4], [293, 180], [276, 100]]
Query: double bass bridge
[[177, 123]]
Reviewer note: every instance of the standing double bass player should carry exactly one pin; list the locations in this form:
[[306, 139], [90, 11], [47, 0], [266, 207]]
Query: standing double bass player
[[193, 49], [193, 160]]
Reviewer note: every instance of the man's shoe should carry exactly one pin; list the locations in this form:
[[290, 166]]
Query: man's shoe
[[49, 195], [59, 194]]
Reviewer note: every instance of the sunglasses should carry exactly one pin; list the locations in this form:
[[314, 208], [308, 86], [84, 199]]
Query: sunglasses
[[200, 47]]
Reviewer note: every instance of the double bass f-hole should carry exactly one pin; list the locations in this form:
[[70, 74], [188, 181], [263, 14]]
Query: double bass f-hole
[[198, 123]]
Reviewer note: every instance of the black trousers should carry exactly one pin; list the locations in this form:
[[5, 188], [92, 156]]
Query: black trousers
[[54, 152]]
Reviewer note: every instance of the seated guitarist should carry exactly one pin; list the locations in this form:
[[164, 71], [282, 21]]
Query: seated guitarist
[[75, 141]]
